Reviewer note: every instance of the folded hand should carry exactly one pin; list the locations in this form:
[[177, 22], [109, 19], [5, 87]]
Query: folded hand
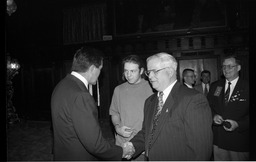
[[124, 131], [233, 125], [218, 119]]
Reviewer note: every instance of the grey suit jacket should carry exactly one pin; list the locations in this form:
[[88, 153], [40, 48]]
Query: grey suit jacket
[[77, 133], [184, 128], [199, 88]]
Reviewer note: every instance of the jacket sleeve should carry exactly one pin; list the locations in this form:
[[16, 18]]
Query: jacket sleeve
[[85, 120], [198, 122]]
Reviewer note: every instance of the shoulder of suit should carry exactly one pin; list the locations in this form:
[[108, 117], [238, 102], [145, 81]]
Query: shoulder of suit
[[243, 83], [152, 97], [198, 86], [218, 82], [184, 90]]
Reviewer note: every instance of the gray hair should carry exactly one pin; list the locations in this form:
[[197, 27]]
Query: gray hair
[[166, 59]]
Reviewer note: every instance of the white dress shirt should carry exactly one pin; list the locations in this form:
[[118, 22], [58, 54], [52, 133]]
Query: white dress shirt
[[232, 86]]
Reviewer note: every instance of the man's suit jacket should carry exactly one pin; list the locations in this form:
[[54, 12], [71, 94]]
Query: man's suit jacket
[[184, 127], [77, 133], [237, 109], [199, 88]]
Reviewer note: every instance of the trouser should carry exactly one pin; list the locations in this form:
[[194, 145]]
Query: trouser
[[227, 155]]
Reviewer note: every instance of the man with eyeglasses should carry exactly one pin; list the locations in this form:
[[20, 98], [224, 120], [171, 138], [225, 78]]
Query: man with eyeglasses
[[177, 120], [229, 101], [189, 78], [127, 104]]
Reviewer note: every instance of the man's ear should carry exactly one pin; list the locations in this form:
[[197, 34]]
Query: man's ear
[[141, 71], [91, 68], [239, 67]]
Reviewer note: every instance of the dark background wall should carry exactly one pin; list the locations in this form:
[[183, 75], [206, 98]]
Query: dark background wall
[[34, 36]]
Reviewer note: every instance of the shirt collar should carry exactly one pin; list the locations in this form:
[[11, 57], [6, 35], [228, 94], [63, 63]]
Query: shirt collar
[[233, 82], [189, 86], [80, 77], [167, 90], [205, 85]]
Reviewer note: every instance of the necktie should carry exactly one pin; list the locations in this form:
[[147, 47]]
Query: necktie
[[227, 93], [160, 102], [205, 90], [156, 116]]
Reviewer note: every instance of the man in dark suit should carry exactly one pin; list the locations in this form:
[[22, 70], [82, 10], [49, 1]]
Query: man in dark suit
[[177, 120], [77, 133], [204, 87], [189, 78], [229, 101]]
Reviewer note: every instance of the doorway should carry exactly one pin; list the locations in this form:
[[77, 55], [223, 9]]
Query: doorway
[[198, 65]]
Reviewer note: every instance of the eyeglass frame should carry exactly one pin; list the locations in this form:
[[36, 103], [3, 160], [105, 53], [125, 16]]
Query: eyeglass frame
[[228, 66], [155, 72]]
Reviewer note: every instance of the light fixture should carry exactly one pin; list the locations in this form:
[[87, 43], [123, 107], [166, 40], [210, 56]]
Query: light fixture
[[11, 7], [13, 67], [12, 64]]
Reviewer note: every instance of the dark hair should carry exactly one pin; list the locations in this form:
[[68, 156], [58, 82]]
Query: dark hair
[[134, 59], [85, 57], [185, 71], [205, 71], [237, 60]]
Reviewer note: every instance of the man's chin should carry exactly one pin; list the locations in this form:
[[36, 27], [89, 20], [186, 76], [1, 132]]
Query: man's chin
[[154, 86], [130, 81]]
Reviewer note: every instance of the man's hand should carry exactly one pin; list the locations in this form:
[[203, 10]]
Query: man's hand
[[123, 131], [233, 124], [128, 150], [218, 119]]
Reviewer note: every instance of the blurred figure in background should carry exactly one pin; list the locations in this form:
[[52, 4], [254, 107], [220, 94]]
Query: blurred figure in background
[[189, 78], [229, 101], [205, 82]]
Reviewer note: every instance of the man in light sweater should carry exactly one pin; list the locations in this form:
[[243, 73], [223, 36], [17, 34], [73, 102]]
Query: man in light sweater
[[128, 99]]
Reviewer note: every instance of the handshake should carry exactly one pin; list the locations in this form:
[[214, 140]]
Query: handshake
[[126, 132], [128, 150]]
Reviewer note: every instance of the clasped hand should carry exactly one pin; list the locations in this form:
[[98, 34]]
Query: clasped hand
[[128, 150], [219, 120]]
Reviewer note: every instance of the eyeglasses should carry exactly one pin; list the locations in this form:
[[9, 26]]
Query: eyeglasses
[[228, 67], [155, 72]]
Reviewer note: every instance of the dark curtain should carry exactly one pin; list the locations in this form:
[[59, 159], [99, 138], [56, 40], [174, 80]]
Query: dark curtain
[[84, 23]]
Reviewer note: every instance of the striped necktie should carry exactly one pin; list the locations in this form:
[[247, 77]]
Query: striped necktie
[[156, 116], [226, 96]]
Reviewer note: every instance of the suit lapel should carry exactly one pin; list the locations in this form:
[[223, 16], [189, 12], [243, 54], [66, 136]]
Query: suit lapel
[[237, 88], [150, 114], [201, 88], [167, 110], [221, 97]]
